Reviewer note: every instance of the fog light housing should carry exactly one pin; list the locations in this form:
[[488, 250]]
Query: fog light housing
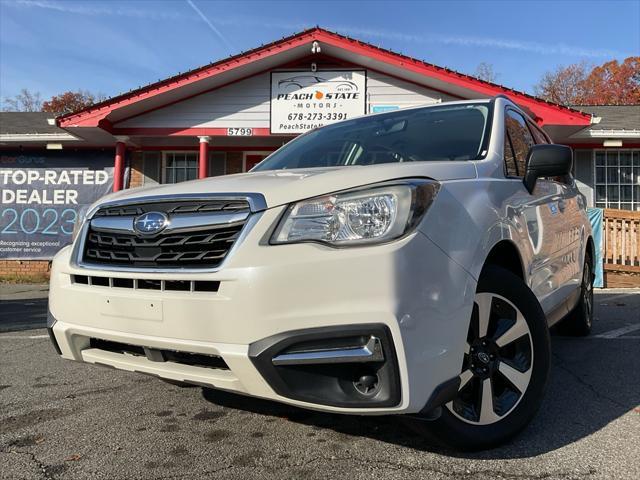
[[352, 366]]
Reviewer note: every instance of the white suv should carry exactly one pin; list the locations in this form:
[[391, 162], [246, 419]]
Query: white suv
[[409, 262]]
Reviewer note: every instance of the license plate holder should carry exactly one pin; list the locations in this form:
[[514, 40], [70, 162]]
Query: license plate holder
[[128, 307]]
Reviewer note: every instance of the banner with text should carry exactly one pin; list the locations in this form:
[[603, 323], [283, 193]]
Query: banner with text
[[41, 194], [304, 100]]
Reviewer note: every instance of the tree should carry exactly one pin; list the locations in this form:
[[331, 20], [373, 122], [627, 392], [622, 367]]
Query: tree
[[614, 83], [68, 102], [25, 101], [565, 85], [485, 72], [611, 83]]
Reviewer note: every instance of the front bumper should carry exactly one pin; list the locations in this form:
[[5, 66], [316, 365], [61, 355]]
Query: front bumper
[[408, 288]]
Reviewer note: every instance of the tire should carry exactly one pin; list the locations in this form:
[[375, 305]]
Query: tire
[[510, 362], [578, 322]]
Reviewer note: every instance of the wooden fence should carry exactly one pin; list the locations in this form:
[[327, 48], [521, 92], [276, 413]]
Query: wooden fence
[[621, 248]]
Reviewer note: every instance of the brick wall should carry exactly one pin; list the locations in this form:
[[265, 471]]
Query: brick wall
[[137, 168], [24, 268]]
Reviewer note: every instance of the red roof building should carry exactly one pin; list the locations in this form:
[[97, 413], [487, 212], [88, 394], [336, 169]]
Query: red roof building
[[226, 116]]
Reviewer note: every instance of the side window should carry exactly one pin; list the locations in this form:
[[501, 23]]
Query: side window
[[537, 135], [510, 169], [521, 139]]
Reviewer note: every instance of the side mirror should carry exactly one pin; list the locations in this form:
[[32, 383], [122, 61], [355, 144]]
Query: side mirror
[[547, 161]]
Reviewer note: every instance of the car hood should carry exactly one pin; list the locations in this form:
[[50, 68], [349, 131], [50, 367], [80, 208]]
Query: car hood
[[284, 186]]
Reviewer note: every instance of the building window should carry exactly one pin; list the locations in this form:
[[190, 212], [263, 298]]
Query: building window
[[618, 179], [179, 167]]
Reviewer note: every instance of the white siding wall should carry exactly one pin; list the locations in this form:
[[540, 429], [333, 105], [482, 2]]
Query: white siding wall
[[242, 104], [385, 90], [246, 104]]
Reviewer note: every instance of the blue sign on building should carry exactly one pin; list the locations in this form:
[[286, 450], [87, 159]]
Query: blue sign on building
[[383, 108]]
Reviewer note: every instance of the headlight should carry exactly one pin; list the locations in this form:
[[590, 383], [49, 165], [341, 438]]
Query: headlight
[[374, 215], [80, 219]]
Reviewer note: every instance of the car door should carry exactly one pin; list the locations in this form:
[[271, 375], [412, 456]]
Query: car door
[[571, 237], [540, 215], [573, 241]]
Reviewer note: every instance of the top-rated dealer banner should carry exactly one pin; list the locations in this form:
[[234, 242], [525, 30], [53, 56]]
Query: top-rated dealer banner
[[41, 195], [303, 100]]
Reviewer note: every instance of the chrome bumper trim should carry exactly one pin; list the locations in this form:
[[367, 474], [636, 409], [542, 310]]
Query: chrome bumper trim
[[370, 352]]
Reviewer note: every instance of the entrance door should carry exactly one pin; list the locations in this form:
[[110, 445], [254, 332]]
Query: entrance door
[[251, 159]]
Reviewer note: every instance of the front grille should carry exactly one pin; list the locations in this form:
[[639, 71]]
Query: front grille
[[204, 248], [198, 247], [177, 207]]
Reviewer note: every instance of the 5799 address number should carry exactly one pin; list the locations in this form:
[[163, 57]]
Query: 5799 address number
[[239, 132]]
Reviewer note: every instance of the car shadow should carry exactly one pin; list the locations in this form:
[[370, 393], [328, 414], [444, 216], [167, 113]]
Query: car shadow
[[593, 382]]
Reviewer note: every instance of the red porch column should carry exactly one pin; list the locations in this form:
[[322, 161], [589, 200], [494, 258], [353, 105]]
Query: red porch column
[[118, 164], [203, 160]]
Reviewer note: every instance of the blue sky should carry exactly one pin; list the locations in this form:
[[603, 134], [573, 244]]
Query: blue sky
[[110, 47]]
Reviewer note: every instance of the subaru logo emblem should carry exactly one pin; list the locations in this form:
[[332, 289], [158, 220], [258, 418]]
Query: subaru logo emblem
[[483, 357], [150, 223]]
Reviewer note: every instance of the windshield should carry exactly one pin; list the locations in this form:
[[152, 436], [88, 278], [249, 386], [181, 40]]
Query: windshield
[[448, 132]]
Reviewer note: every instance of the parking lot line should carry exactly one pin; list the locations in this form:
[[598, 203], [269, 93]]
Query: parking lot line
[[619, 331], [24, 337]]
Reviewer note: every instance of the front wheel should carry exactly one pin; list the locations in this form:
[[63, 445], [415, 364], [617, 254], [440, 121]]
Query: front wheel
[[504, 370]]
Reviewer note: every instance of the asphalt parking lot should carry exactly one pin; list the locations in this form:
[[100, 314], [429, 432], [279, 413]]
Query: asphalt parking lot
[[65, 420]]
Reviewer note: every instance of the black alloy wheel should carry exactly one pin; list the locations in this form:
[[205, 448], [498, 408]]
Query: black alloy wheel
[[504, 367]]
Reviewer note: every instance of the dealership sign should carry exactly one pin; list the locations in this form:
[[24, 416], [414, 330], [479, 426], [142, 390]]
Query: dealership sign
[[41, 195], [304, 100]]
